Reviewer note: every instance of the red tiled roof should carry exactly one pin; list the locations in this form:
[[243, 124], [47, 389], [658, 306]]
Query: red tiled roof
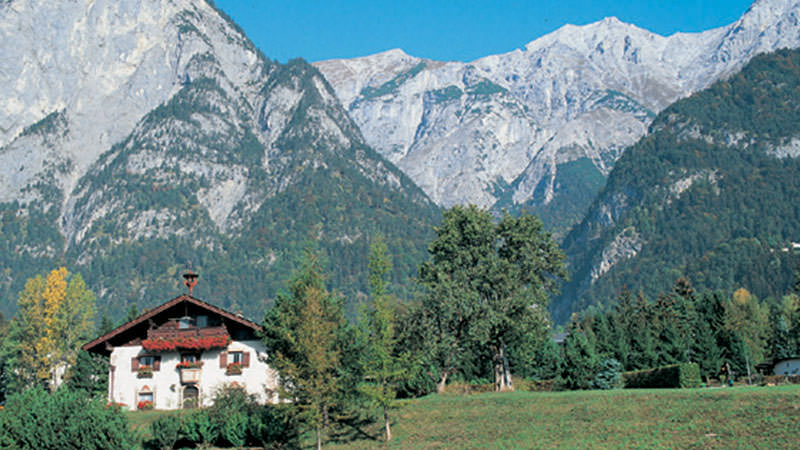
[[155, 311]]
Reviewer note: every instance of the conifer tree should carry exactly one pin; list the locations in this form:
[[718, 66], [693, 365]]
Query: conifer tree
[[782, 346], [305, 331], [384, 369], [580, 359]]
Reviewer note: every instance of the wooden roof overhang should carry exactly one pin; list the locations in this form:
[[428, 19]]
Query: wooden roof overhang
[[138, 327]]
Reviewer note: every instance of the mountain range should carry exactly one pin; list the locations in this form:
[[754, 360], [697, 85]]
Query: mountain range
[[710, 194], [141, 137], [540, 128]]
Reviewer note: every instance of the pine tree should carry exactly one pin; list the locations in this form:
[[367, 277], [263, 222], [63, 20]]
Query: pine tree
[[580, 359], [782, 346]]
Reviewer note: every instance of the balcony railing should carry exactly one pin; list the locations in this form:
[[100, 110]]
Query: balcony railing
[[197, 339], [181, 333]]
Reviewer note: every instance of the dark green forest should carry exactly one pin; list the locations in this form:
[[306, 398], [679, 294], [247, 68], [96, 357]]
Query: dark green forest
[[704, 192]]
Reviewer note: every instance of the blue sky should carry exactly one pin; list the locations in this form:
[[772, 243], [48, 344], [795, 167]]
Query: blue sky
[[448, 29]]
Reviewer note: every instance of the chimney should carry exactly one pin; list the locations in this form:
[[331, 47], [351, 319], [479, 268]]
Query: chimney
[[191, 280]]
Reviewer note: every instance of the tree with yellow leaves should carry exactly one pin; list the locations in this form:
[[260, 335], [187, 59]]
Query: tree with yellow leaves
[[55, 314]]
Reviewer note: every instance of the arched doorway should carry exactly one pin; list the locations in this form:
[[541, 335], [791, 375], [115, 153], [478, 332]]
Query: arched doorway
[[190, 397]]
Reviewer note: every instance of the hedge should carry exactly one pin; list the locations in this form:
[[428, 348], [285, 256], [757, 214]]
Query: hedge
[[685, 375]]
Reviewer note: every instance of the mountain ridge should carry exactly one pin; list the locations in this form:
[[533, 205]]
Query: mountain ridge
[[578, 92], [233, 163]]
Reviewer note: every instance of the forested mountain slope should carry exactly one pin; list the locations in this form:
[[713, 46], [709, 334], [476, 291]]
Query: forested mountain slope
[[150, 135], [711, 193]]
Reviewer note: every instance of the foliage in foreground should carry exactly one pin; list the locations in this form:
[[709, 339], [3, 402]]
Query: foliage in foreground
[[36, 419], [235, 420]]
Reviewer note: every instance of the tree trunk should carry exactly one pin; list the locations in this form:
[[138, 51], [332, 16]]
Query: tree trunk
[[319, 438], [386, 425], [442, 383], [502, 373]]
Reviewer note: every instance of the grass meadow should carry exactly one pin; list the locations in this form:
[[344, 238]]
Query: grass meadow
[[746, 417], [739, 417]]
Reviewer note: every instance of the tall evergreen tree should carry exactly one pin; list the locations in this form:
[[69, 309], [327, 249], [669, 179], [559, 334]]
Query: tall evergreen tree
[[580, 359], [306, 331], [782, 346], [384, 369]]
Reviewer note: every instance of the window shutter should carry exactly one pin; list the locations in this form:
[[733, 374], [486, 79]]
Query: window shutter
[[223, 360], [156, 363], [134, 364], [246, 359]]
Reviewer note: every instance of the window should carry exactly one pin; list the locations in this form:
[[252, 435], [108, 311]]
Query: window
[[202, 321], [145, 364], [235, 358], [190, 357], [146, 399], [146, 360], [185, 322]]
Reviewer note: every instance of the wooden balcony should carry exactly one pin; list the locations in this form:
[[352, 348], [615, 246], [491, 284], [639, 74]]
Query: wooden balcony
[[190, 376], [186, 333]]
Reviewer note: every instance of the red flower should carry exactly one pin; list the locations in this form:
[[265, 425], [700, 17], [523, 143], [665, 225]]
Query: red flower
[[189, 365], [146, 404], [186, 343]]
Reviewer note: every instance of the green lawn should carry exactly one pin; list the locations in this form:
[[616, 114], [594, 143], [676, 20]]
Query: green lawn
[[746, 417]]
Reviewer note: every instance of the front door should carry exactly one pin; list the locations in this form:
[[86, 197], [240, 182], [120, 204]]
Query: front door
[[190, 396]]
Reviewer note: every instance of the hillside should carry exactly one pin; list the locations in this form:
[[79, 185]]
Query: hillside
[[711, 193], [221, 159], [541, 127]]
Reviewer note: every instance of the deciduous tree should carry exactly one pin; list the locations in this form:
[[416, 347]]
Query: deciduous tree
[[492, 282], [55, 315]]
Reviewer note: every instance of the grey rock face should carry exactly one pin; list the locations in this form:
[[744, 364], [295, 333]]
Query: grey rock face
[[491, 131], [138, 134]]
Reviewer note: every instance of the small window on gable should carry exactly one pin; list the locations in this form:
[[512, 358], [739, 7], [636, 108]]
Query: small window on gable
[[185, 322], [202, 321]]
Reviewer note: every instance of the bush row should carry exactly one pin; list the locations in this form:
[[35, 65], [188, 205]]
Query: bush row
[[235, 420], [685, 375]]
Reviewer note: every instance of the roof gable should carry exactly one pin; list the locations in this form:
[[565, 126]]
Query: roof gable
[[138, 327]]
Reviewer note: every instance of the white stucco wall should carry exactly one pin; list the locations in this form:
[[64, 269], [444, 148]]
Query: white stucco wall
[[124, 385], [787, 367]]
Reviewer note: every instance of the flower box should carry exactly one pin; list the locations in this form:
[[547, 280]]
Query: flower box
[[234, 369], [189, 365], [185, 343], [144, 405], [144, 372]]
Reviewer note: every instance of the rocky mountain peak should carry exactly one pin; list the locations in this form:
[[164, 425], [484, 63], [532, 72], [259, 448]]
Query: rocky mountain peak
[[578, 94]]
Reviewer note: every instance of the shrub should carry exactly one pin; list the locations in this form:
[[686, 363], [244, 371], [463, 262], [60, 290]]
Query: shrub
[[36, 419], [609, 375], [233, 428], [198, 428], [239, 420], [685, 375], [165, 431]]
